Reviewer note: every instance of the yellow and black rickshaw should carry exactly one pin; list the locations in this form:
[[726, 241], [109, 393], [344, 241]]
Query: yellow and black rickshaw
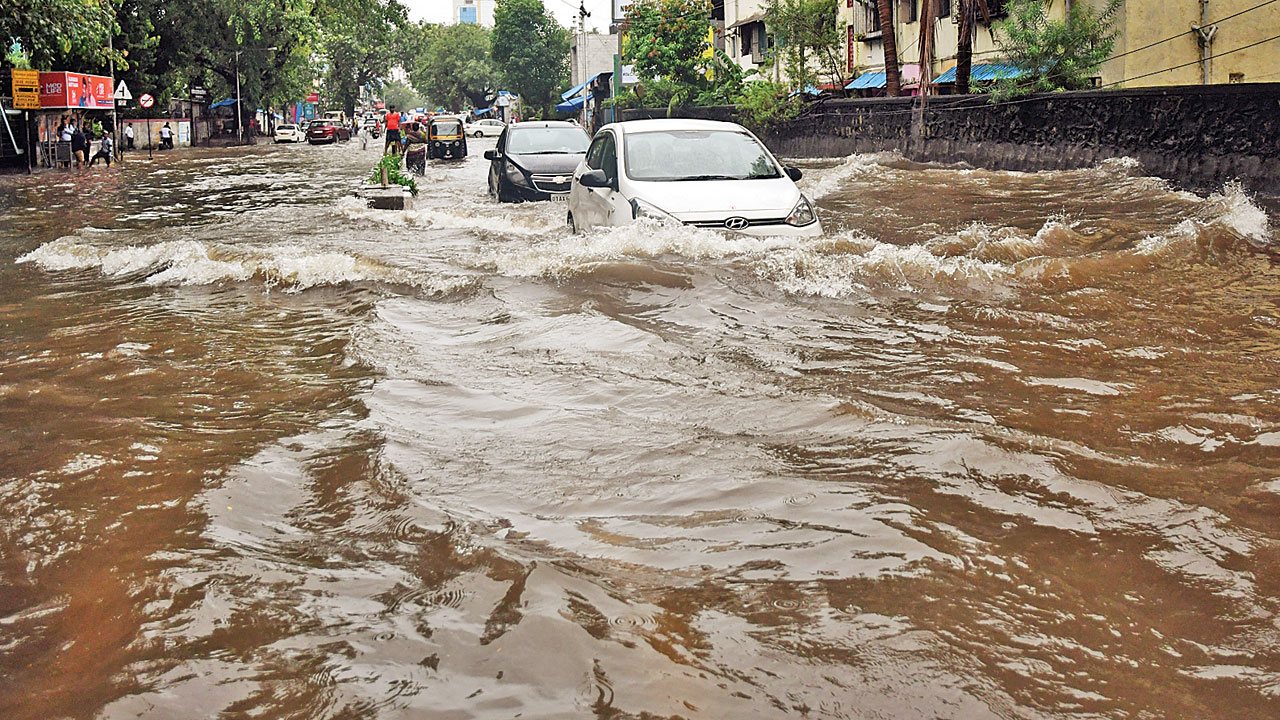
[[445, 139]]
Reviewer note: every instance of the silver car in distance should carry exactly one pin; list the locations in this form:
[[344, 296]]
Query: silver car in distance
[[701, 173]]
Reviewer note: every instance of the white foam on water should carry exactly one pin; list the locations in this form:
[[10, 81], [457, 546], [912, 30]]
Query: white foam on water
[[192, 262], [572, 254], [817, 184], [850, 264], [485, 218], [1237, 212]]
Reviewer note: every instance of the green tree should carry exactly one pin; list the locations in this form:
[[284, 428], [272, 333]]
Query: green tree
[[1054, 55], [399, 95], [530, 51], [808, 40], [667, 39], [58, 34], [358, 44], [452, 67]]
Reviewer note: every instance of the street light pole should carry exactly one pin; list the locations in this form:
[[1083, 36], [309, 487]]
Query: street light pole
[[239, 130]]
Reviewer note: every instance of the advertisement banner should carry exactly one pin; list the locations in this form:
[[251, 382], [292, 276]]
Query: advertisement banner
[[75, 90]]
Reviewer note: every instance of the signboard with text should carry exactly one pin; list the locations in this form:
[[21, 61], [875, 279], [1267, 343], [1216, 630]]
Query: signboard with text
[[26, 89], [75, 90]]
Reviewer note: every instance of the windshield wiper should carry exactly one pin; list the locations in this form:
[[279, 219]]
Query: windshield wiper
[[552, 152], [711, 177]]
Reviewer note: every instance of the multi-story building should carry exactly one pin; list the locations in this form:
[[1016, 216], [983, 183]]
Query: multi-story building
[[1159, 42], [474, 12], [746, 40]]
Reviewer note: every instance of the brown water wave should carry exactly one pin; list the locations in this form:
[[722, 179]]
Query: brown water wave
[[998, 445]]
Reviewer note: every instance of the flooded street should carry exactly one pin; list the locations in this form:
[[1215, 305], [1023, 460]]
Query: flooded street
[[999, 445]]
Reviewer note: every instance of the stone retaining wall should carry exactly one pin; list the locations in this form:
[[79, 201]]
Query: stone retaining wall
[[1200, 137]]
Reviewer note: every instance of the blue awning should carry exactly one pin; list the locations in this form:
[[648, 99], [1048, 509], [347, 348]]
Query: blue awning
[[867, 81], [983, 72], [483, 111], [808, 90], [224, 102], [573, 105], [577, 89]]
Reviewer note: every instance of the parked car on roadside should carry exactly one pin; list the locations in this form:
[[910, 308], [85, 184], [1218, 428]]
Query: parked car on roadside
[[327, 131], [485, 128], [289, 133], [696, 172], [535, 161]]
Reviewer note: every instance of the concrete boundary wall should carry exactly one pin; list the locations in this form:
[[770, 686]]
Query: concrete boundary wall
[[1199, 137]]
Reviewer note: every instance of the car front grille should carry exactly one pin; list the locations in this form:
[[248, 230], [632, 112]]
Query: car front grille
[[753, 223], [548, 184]]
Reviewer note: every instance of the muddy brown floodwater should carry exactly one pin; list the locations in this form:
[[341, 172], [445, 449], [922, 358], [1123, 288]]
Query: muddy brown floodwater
[[999, 445]]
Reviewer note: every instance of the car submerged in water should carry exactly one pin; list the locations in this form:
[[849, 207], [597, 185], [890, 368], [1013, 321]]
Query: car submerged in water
[[701, 173], [535, 161]]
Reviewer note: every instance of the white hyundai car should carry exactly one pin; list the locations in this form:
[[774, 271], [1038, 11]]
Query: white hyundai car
[[697, 172]]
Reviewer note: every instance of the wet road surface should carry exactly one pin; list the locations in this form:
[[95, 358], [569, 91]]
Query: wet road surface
[[999, 445]]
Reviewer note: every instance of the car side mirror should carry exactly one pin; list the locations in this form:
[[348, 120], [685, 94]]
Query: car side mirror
[[594, 179], [492, 155], [793, 172]]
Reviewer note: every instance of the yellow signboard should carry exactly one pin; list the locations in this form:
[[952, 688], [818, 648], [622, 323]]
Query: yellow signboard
[[26, 89]]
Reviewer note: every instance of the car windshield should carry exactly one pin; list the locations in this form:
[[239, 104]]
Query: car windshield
[[675, 155], [321, 123], [285, 127], [546, 141], [448, 127]]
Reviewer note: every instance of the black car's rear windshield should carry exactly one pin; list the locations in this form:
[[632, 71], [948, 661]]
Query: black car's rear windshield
[[546, 141]]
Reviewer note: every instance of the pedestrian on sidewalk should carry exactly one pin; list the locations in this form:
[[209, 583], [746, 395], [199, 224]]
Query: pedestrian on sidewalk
[[128, 136], [104, 151]]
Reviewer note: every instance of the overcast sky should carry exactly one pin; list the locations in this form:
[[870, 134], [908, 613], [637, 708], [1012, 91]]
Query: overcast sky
[[563, 10]]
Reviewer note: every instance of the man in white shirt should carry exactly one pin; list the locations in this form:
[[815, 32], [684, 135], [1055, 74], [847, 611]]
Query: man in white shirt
[[128, 136]]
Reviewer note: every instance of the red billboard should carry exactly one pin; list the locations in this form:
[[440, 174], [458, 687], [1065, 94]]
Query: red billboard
[[74, 90]]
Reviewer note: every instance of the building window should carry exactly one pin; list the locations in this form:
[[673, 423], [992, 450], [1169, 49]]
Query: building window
[[744, 37], [913, 10], [944, 8]]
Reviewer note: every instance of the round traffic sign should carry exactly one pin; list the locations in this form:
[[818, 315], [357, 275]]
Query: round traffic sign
[[146, 100]]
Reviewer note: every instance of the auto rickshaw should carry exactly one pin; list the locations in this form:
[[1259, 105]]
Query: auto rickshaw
[[445, 139]]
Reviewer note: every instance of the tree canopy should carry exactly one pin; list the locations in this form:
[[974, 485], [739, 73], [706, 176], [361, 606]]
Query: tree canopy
[[1054, 54], [530, 51], [667, 39], [451, 66]]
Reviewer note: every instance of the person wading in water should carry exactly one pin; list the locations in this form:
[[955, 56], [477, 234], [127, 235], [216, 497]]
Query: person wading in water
[[393, 132]]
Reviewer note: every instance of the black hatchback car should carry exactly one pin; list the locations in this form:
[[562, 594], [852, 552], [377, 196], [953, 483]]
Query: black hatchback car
[[535, 161]]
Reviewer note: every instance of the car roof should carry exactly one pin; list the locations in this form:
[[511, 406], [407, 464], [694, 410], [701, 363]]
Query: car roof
[[667, 124], [544, 124]]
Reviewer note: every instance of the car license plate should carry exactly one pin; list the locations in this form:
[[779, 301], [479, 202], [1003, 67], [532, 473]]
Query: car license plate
[[560, 197]]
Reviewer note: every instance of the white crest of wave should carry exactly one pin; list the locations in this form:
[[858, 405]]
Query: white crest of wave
[[486, 218], [191, 262], [1237, 212], [567, 255], [820, 183], [849, 264]]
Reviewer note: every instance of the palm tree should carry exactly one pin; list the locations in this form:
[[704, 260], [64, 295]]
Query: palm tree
[[893, 83], [964, 42]]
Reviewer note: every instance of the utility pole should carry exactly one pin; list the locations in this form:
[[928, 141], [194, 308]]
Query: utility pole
[[1204, 37], [582, 60]]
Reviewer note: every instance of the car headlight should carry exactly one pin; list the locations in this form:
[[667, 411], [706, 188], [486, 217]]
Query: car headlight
[[802, 214], [514, 174], [641, 209]]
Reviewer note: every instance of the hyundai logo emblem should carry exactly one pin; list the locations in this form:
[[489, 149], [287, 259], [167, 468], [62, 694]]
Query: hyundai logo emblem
[[737, 223]]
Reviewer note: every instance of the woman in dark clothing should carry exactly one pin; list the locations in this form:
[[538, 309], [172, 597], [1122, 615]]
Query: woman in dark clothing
[[79, 146]]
